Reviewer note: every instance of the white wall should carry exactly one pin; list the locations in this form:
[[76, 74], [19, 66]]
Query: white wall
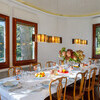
[[77, 28], [68, 28], [46, 24]]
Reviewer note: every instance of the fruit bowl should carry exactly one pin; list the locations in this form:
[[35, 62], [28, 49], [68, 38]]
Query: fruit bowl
[[40, 74]]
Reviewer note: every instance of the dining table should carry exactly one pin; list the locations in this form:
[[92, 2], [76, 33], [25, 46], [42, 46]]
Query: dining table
[[30, 87]]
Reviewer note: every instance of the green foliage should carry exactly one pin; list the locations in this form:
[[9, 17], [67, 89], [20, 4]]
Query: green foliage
[[2, 43], [18, 41], [18, 50], [70, 59], [21, 35], [97, 40], [63, 49], [63, 57], [77, 61]]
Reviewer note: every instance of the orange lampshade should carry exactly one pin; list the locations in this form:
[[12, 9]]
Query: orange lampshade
[[79, 41], [82, 41], [85, 41], [39, 38], [53, 39], [49, 39], [58, 39], [76, 41], [45, 38]]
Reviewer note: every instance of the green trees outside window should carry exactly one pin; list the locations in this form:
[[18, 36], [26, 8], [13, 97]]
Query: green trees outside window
[[98, 40], [25, 46], [2, 40]]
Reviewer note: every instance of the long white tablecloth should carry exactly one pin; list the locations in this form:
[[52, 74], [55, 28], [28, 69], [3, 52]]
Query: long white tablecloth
[[27, 92]]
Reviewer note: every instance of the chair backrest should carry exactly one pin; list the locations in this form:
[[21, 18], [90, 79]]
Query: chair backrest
[[18, 68], [11, 71], [38, 64], [59, 88], [92, 75], [50, 63], [94, 60], [81, 85], [61, 62]]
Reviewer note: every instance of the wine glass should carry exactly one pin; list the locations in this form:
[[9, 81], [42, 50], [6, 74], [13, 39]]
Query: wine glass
[[17, 74]]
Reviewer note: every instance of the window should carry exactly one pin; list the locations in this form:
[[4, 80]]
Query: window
[[24, 49], [4, 41], [96, 41]]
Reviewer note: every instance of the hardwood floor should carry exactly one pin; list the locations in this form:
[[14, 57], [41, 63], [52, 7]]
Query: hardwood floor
[[96, 93]]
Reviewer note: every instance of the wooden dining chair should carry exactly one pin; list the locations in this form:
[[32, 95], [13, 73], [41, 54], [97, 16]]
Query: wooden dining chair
[[50, 63], [11, 71], [19, 68], [32, 65], [59, 94], [38, 64], [93, 60], [91, 82], [61, 62], [97, 82], [77, 92]]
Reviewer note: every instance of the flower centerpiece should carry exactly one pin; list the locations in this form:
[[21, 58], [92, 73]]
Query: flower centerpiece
[[70, 55]]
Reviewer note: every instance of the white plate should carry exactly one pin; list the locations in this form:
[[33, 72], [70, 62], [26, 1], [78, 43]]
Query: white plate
[[10, 83]]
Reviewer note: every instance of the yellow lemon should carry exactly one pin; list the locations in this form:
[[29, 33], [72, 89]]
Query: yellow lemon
[[64, 70]]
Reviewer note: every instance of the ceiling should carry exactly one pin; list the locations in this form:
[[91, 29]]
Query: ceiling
[[67, 8]]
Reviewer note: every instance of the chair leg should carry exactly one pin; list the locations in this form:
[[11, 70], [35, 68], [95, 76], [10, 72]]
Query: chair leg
[[93, 93], [98, 90], [88, 95], [82, 98]]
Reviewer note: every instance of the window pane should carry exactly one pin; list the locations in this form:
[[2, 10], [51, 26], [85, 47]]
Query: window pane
[[97, 40], [25, 47], [2, 40]]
